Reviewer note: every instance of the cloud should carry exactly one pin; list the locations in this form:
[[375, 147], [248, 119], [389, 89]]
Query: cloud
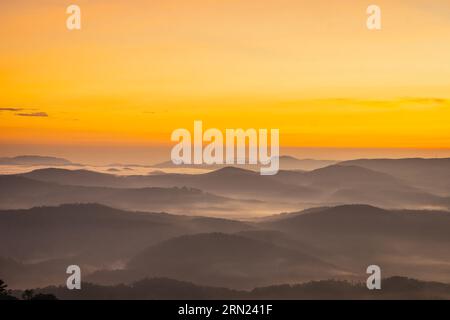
[[32, 114], [427, 100], [155, 112], [12, 109], [422, 100]]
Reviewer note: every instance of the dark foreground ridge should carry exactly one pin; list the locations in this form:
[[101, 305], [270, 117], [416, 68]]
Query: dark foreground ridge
[[393, 288]]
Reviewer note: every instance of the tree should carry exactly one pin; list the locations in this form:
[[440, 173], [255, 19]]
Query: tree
[[5, 294], [3, 287], [28, 294], [31, 295], [44, 296]]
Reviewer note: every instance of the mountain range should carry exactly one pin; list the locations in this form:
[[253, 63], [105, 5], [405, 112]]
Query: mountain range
[[285, 163], [116, 246], [229, 228], [288, 190]]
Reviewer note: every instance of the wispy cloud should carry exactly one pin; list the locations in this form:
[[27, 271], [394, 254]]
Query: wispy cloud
[[12, 109], [32, 114], [25, 112], [422, 100], [155, 112], [427, 100]]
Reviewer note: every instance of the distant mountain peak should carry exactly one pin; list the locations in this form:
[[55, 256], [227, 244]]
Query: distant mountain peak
[[34, 160], [233, 171]]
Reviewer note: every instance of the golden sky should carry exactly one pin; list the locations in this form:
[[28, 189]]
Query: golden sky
[[138, 70]]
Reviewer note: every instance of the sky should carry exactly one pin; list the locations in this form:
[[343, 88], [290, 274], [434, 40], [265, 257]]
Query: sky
[[136, 72]]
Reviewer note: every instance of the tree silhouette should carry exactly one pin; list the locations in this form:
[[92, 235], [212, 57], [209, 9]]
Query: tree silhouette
[[5, 294], [28, 294], [3, 287], [44, 296]]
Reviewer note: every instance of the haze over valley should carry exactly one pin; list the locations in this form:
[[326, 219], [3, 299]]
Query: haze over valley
[[224, 227]]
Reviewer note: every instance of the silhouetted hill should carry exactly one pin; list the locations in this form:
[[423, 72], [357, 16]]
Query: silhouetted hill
[[410, 243], [367, 219], [332, 185], [222, 259], [292, 163], [35, 160], [57, 227], [432, 174], [339, 184], [345, 176], [285, 163], [92, 235], [76, 177], [285, 248], [166, 289], [235, 181], [17, 192], [227, 181], [397, 288], [336, 176]]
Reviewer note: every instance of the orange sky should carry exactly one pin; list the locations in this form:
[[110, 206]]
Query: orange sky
[[134, 73]]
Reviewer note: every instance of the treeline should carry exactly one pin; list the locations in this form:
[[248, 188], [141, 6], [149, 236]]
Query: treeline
[[6, 294], [168, 289]]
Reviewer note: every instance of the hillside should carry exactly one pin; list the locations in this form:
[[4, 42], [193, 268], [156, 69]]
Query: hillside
[[396, 288]]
